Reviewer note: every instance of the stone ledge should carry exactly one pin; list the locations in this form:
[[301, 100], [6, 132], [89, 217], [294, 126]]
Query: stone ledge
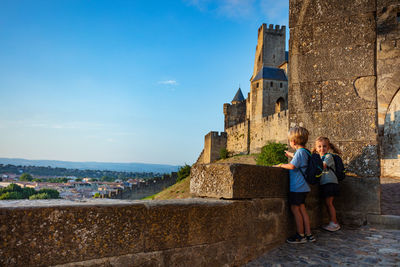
[[238, 181], [173, 233], [384, 221]]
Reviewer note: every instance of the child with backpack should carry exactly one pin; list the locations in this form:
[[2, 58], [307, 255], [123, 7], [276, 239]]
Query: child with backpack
[[298, 137], [329, 186]]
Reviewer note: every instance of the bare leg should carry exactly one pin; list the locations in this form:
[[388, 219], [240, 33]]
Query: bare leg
[[331, 209], [298, 218], [305, 219]]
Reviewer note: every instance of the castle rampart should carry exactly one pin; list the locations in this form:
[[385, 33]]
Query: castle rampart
[[250, 137], [213, 143], [238, 138]]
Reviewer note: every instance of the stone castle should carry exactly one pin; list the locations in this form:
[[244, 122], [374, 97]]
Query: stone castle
[[263, 116], [336, 85], [342, 81]]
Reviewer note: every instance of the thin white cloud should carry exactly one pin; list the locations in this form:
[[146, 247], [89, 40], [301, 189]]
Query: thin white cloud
[[169, 82]]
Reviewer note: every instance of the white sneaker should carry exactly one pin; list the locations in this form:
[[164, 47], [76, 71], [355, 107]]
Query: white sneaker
[[331, 227]]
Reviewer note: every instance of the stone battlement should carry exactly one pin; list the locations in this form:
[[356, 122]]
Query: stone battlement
[[270, 29], [277, 116]]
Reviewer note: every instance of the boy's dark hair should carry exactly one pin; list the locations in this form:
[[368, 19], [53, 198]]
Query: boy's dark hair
[[299, 135]]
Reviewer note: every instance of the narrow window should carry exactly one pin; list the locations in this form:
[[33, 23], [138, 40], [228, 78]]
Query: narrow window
[[272, 84], [398, 17], [281, 85], [256, 85]]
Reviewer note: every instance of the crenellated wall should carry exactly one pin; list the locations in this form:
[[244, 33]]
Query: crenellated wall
[[238, 138], [271, 128], [213, 143]]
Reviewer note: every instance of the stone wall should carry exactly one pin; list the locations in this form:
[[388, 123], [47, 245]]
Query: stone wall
[[238, 138], [332, 72], [234, 114], [250, 137], [213, 143], [271, 128], [193, 232]]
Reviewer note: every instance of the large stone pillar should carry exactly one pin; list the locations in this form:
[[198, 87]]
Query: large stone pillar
[[332, 87]]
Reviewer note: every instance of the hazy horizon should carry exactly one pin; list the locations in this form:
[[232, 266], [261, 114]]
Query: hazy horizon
[[123, 81]]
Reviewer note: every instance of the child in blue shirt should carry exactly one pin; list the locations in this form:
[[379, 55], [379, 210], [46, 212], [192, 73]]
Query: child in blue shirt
[[298, 137]]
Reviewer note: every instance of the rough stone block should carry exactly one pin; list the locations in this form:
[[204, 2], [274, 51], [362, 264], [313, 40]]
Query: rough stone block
[[69, 233], [316, 11], [358, 197], [339, 125], [305, 97], [350, 31], [238, 181], [334, 63]]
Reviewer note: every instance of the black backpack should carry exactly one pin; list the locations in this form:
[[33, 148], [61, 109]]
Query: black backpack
[[340, 171], [314, 168]]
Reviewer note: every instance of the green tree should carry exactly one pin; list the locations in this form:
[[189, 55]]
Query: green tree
[[272, 153], [40, 196], [11, 195], [183, 172], [27, 192], [51, 192], [96, 195], [26, 177]]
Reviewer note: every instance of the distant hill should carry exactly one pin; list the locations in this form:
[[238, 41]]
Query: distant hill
[[123, 167]]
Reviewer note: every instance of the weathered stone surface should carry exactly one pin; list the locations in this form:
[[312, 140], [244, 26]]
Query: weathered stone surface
[[160, 233], [365, 88], [315, 11], [339, 126], [273, 128], [61, 234], [361, 157], [358, 195], [348, 32], [238, 181], [333, 63]]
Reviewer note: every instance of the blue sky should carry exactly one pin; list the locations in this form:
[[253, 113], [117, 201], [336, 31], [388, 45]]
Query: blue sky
[[123, 81]]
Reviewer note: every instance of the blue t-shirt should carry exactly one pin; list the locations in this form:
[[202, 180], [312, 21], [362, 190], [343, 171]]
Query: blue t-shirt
[[297, 181]]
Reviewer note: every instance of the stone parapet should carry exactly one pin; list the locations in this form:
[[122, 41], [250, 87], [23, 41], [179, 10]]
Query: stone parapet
[[195, 232], [238, 181]]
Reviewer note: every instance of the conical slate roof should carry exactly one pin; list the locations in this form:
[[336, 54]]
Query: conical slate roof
[[238, 97]]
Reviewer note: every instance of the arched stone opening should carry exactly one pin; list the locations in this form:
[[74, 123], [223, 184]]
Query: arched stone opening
[[279, 105], [390, 163]]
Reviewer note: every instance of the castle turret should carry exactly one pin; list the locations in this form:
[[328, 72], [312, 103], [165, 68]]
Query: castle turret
[[238, 97], [236, 112], [270, 50], [269, 84]]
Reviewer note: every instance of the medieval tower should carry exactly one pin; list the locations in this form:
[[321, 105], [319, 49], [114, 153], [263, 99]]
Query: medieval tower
[[250, 123]]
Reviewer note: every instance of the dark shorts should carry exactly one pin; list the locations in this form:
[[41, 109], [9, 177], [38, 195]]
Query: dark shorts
[[329, 190], [297, 198]]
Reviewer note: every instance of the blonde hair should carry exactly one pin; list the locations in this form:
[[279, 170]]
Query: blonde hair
[[331, 146], [298, 135]]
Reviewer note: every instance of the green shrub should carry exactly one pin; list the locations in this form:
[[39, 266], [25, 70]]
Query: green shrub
[[26, 177], [27, 192], [11, 195], [271, 154], [12, 188], [183, 172], [51, 192], [223, 153], [97, 195], [40, 196]]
